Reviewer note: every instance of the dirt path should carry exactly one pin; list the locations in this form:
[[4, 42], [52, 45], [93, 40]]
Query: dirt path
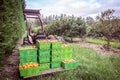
[[10, 70], [99, 48]]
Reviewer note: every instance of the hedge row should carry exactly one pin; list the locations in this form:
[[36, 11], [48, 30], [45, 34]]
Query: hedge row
[[12, 25]]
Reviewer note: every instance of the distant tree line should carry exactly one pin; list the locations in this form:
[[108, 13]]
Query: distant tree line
[[105, 25]]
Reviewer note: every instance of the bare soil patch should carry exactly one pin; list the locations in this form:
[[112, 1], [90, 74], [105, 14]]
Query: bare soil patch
[[99, 48]]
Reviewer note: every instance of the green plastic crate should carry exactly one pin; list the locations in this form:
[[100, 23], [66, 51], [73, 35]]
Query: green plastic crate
[[44, 59], [68, 65], [28, 52], [56, 45], [43, 45], [44, 66], [55, 64], [55, 52], [27, 47], [29, 71], [65, 56], [55, 58], [67, 49], [28, 59], [44, 53]]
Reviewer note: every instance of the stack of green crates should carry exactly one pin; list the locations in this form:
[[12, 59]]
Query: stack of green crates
[[27, 54], [43, 54], [66, 52], [55, 54]]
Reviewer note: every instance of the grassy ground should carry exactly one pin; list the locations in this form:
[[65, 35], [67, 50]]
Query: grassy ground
[[102, 41], [96, 41], [92, 66]]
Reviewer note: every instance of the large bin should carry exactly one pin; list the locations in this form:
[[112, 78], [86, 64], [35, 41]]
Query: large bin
[[55, 52], [65, 56], [28, 59], [66, 49], [44, 59], [44, 66], [26, 51], [69, 65], [55, 64], [44, 53], [55, 58], [29, 71], [43, 44], [56, 44]]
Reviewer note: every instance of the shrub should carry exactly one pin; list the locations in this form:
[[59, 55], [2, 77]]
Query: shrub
[[12, 24]]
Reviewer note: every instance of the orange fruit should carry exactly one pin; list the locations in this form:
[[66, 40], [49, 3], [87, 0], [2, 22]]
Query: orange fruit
[[70, 60], [28, 65]]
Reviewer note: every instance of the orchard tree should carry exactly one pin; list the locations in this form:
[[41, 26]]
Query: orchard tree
[[89, 26], [81, 26], [67, 26], [89, 21], [107, 25], [72, 30], [116, 33]]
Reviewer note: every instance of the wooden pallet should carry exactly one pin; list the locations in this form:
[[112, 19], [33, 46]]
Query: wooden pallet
[[43, 72]]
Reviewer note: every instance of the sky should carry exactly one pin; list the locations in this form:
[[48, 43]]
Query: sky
[[77, 8]]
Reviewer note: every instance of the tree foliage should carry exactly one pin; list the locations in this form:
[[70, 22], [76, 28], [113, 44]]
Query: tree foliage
[[67, 26], [12, 24], [108, 25]]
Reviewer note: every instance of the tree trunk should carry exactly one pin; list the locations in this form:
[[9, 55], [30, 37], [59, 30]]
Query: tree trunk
[[108, 43], [71, 39]]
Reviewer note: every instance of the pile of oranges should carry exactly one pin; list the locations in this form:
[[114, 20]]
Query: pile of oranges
[[28, 65], [70, 60], [27, 47], [54, 41], [43, 41]]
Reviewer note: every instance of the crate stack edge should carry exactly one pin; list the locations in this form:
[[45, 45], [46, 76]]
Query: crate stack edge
[[27, 54], [55, 54], [67, 57], [43, 54], [66, 52]]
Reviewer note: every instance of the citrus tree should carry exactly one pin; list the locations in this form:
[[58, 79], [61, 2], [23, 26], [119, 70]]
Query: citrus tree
[[107, 24]]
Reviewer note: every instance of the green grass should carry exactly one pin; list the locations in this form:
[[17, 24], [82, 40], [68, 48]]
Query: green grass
[[103, 41], [92, 66], [96, 40]]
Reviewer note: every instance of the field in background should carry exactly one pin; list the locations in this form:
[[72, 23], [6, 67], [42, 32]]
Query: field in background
[[113, 44], [102, 41], [92, 66]]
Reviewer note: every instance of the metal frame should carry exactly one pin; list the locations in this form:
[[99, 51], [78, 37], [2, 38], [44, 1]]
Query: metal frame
[[32, 13]]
